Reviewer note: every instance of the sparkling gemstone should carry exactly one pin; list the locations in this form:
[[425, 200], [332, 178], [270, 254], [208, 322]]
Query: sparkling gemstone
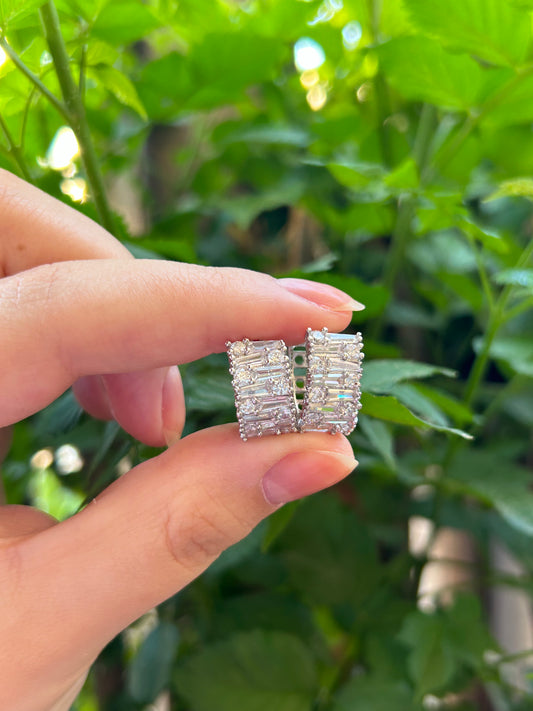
[[350, 380], [318, 363], [317, 394], [248, 407], [277, 386], [238, 348], [351, 351], [282, 415], [254, 430], [275, 357], [243, 376], [313, 419], [317, 337]]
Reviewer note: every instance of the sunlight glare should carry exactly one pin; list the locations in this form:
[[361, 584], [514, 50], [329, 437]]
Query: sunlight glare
[[75, 188], [308, 55], [63, 149], [3, 57], [317, 97]]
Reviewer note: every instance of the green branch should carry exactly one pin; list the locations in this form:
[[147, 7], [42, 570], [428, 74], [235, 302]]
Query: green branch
[[17, 61], [14, 150], [76, 112]]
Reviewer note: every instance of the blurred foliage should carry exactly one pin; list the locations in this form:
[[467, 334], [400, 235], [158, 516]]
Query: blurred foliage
[[399, 170]]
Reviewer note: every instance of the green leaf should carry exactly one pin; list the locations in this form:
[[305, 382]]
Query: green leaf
[[225, 64], [336, 562], [388, 408], [380, 438], [498, 482], [516, 107], [150, 671], [404, 177], [267, 135], [430, 662], [123, 21], [209, 391], [238, 552], [277, 523], [255, 670], [16, 15], [490, 29], [418, 68], [243, 210], [516, 351], [380, 376], [418, 403], [375, 693], [518, 187], [515, 277], [120, 86]]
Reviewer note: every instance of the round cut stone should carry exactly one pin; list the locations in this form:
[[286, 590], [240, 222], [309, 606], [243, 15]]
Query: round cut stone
[[350, 380], [276, 386], [313, 419], [254, 430], [239, 348], [243, 376], [317, 337], [351, 351], [319, 363], [274, 357], [317, 394], [248, 407]]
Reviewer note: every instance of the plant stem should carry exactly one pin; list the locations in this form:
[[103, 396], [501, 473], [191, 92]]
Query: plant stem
[[15, 151], [17, 61], [76, 111]]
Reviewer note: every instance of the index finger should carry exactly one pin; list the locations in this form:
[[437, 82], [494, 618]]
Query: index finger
[[72, 319]]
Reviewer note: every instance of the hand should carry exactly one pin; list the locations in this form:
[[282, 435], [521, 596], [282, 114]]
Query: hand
[[77, 309]]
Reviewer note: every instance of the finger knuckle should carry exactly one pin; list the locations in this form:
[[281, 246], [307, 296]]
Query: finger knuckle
[[198, 536]]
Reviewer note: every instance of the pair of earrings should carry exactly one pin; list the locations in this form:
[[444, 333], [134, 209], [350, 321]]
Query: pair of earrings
[[312, 387]]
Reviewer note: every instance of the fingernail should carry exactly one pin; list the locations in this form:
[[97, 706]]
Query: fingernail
[[321, 294], [172, 406], [302, 473]]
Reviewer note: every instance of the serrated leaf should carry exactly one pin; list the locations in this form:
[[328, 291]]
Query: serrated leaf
[[388, 408], [257, 670], [150, 671], [490, 29], [418, 68], [379, 376], [120, 86]]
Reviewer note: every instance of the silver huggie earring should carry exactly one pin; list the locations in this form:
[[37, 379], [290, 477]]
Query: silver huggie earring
[[312, 387]]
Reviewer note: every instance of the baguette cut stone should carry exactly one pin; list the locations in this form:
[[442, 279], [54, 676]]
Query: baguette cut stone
[[279, 390]]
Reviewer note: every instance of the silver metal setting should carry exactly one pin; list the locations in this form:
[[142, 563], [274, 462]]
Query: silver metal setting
[[313, 387], [332, 387], [262, 381]]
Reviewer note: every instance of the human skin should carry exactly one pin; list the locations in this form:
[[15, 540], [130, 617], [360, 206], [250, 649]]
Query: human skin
[[77, 310]]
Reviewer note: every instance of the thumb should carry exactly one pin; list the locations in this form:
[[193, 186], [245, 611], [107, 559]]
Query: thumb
[[149, 534]]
